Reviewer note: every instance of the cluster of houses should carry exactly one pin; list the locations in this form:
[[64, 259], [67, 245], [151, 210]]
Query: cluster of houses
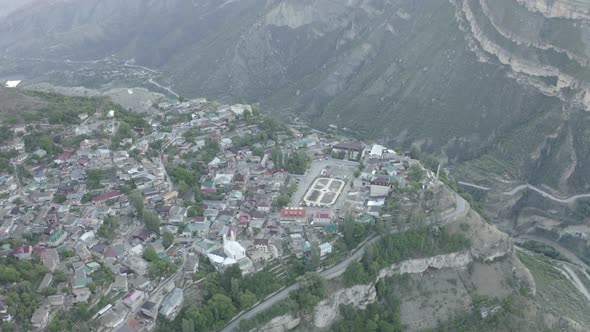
[[68, 196]]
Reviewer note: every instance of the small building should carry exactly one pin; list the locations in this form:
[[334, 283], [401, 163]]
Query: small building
[[172, 303], [40, 317], [121, 283], [325, 248], [150, 309], [103, 198], [261, 244], [57, 238], [351, 150], [134, 299], [293, 215], [5, 316], [377, 151], [321, 218], [56, 300], [192, 264], [47, 279]]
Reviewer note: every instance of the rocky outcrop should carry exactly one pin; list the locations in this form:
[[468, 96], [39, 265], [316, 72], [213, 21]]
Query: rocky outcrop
[[281, 324], [559, 8], [459, 260], [522, 65], [328, 310]]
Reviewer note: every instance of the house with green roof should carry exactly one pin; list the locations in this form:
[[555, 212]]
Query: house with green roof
[[57, 238], [81, 282], [91, 267], [366, 218], [330, 229]]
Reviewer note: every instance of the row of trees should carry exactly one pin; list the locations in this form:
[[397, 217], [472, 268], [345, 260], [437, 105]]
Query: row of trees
[[150, 218], [418, 242], [21, 297], [225, 295], [294, 163]]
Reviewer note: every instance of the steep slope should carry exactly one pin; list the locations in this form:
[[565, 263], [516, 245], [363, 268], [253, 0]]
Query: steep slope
[[452, 291]]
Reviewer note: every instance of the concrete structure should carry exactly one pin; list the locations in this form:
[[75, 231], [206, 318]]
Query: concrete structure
[[40, 317], [134, 299], [172, 303]]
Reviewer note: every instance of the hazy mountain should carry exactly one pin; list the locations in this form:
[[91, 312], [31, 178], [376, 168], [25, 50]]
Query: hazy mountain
[[501, 87], [9, 6]]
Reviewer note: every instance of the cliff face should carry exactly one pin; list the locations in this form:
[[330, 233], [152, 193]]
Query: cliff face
[[328, 310], [481, 270]]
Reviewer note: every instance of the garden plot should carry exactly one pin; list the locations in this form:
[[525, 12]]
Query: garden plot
[[323, 192]]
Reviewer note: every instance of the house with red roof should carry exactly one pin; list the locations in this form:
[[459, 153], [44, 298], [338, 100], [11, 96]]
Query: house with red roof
[[293, 215], [103, 198], [62, 157]]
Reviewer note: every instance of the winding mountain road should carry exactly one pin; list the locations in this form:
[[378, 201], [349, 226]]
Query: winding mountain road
[[461, 208], [531, 187], [545, 194]]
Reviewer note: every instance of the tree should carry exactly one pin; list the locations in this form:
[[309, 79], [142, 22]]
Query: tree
[[349, 230], [312, 288], [136, 200], [415, 174], [247, 299], [92, 287], [356, 173], [108, 228], [281, 201], [313, 261], [182, 186], [151, 221], [355, 274], [221, 307], [167, 239], [188, 325], [150, 254]]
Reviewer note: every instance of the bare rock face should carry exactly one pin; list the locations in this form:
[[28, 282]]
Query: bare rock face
[[359, 296], [453, 261], [281, 324], [559, 8]]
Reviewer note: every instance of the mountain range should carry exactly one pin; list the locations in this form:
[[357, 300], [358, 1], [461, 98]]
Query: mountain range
[[499, 88]]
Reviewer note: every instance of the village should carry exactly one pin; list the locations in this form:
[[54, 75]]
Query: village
[[124, 218]]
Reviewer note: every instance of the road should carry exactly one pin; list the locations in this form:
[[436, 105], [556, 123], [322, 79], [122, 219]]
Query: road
[[531, 187], [546, 195], [564, 251], [573, 277], [461, 207], [151, 80], [473, 186]]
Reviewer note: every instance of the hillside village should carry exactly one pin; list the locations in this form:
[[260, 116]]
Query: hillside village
[[124, 214]]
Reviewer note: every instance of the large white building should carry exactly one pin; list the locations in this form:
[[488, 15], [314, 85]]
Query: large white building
[[232, 248]]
